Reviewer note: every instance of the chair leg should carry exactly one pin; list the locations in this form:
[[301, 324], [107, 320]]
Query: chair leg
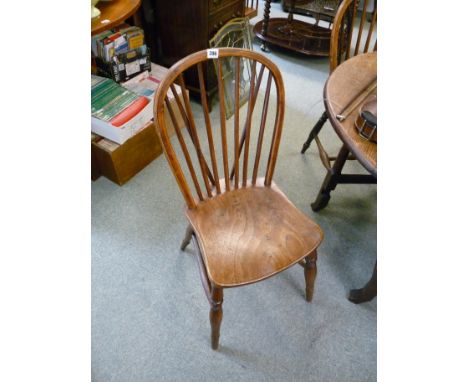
[[310, 272], [314, 132], [330, 181], [216, 315], [188, 235]]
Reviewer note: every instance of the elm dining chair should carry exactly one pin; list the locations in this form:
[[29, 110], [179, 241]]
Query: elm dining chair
[[243, 227]]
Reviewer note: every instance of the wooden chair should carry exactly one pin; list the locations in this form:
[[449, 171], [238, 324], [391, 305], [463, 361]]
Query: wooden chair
[[245, 229], [251, 8], [350, 36]]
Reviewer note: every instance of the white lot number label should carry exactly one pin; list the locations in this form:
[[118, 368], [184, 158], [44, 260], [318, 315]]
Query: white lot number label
[[212, 53], [132, 67]]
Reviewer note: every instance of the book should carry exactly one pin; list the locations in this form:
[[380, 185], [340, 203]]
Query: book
[[113, 103], [147, 83], [143, 84]]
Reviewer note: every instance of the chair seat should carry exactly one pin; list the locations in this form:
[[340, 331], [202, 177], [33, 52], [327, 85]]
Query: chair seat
[[251, 233]]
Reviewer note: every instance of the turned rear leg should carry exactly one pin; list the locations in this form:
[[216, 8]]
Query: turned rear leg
[[188, 236], [310, 271], [314, 132], [216, 315]]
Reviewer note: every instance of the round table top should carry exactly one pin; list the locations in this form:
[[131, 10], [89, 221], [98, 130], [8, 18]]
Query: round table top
[[346, 82], [113, 13]]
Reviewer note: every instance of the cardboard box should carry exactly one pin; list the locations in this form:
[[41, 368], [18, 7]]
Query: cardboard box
[[95, 172], [120, 163]]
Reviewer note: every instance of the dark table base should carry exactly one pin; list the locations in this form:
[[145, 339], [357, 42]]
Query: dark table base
[[295, 35], [334, 177], [368, 292]]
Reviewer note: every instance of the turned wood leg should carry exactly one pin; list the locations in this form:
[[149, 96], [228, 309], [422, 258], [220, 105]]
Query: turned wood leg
[[368, 292], [188, 236], [310, 272], [330, 180], [216, 315], [265, 22], [314, 132]]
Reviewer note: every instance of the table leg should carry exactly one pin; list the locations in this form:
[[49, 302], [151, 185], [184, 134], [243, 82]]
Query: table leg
[[330, 181], [368, 292], [266, 20]]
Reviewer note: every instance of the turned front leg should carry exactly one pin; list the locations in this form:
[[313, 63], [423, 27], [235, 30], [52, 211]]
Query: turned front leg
[[310, 272], [216, 315]]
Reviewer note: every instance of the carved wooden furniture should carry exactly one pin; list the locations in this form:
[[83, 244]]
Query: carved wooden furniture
[[113, 13], [351, 35], [345, 83], [299, 36], [318, 9], [244, 228], [186, 26]]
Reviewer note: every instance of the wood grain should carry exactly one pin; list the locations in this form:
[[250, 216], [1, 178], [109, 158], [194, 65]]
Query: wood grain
[[113, 13], [252, 233], [186, 26], [345, 83]]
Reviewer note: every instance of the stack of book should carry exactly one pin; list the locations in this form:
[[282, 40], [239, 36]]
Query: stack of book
[[121, 53], [127, 151], [117, 113]]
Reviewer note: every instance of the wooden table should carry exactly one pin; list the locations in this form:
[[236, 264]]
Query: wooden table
[[345, 83], [298, 36], [113, 13]]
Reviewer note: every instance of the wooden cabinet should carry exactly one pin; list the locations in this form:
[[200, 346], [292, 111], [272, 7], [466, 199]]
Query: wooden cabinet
[[186, 26]]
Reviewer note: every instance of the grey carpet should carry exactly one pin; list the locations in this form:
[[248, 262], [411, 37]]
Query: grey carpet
[[150, 315]]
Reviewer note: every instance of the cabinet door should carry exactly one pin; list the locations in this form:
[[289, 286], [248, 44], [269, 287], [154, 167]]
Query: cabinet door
[[182, 28], [231, 10]]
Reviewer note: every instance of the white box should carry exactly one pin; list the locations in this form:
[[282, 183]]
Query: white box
[[127, 130]]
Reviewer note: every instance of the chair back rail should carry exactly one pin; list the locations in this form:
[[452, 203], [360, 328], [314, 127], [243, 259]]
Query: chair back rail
[[196, 167], [344, 44]]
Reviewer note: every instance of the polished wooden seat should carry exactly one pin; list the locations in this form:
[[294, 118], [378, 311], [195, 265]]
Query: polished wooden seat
[[251, 233], [244, 227]]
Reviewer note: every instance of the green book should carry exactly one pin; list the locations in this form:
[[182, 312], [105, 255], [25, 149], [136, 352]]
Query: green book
[[108, 98]]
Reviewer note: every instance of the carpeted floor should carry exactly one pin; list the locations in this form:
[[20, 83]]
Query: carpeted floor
[[149, 312]]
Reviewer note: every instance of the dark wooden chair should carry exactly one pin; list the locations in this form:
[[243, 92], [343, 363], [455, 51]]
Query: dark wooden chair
[[351, 35], [244, 228]]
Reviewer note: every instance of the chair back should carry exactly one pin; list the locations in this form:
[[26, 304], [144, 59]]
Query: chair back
[[352, 35], [193, 153]]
